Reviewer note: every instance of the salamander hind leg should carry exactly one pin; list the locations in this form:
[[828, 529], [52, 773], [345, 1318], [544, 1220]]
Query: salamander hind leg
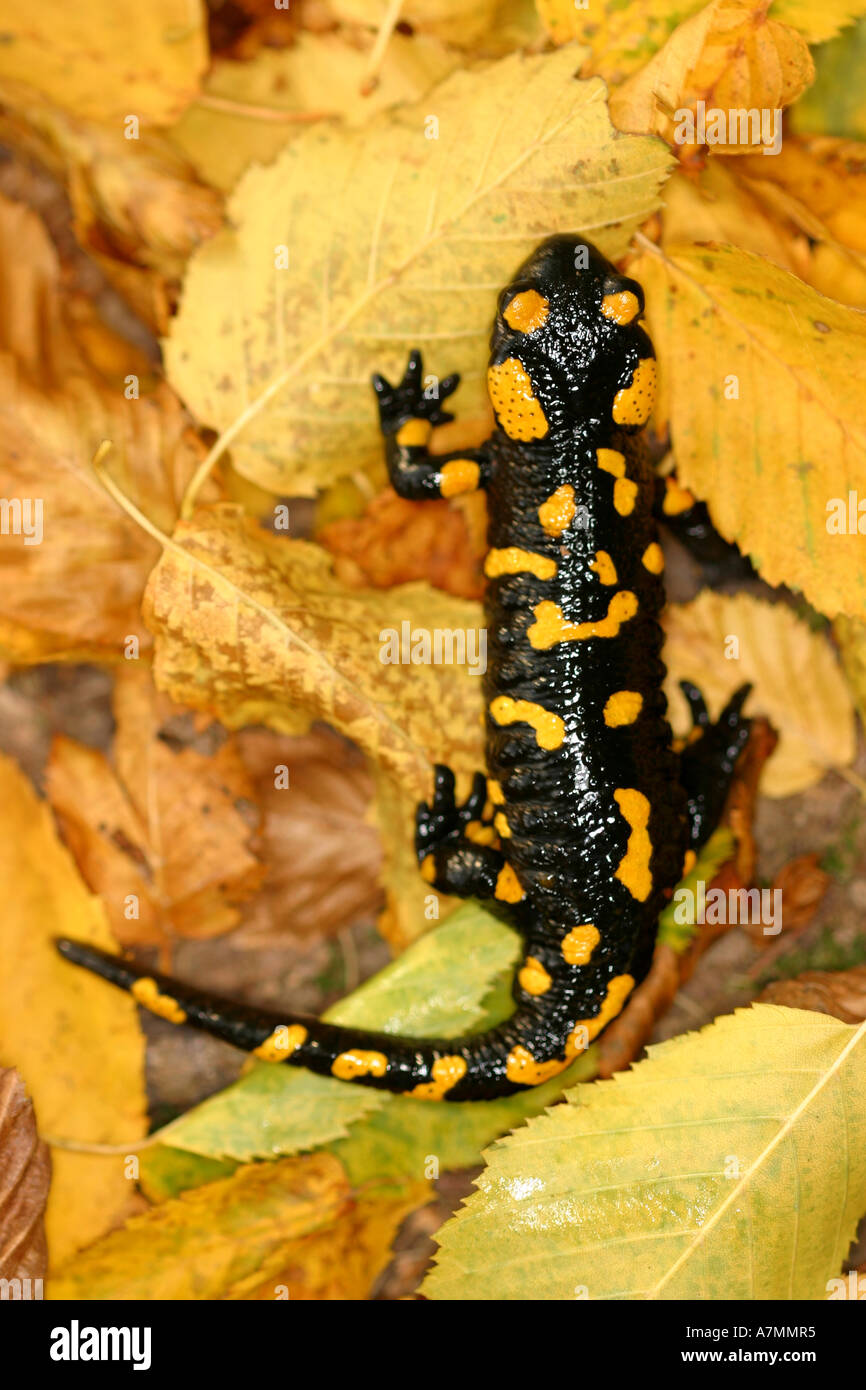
[[454, 844], [709, 757]]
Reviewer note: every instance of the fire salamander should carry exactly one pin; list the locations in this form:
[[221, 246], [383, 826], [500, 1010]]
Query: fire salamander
[[587, 815]]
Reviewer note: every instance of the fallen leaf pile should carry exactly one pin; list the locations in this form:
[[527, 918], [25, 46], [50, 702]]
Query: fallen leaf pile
[[216, 222]]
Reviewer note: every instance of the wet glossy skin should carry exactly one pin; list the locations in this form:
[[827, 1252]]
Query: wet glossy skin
[[580, 828]]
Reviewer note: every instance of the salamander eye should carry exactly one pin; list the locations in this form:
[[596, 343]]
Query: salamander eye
[[622, 300], [525, 311]]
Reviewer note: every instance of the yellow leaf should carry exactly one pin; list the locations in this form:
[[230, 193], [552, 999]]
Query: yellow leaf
[[76, 594], [764, 385], [731, 56], [851, 637], [715, 204], [218, 1241], [358, 245], [256, 629], [719, 642], [818, 184], [162, 824], [51, 1026], [731, 1164], [103, 61], [342, 1262], [237, 120], [624, 37]]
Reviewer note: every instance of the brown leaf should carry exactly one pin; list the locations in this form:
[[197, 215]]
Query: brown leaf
[[76, 595], [25, 1170], [841, 993], [168, 826], [323, 857], [396, 541]]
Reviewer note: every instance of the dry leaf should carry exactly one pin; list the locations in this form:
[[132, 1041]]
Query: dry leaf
[[102, 63], [396, 541], [841, 993], [76, 1044], [161, 826], [797, 681], [25, 1172], [623, 38], [77, 594], [343, 1261], [731, 56], [220, 1241], [256, 629], [763, 383], [323, 858], [286, 313]]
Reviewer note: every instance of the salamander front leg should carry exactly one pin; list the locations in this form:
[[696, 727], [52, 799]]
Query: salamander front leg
[[407, 416]]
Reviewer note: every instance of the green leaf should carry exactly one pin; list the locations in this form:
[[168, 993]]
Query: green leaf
[[835, 104], [435, 988], [729, 1164], [717, 851]]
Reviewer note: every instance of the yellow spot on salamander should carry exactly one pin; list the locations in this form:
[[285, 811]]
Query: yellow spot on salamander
[[428, 869], [604, 567], [550, 627], [350, 1065], [557, 513], [624, 496], [612, 461], [527, 311], [579, 944], [502, 825], [618, 990], [515, 561], [495, 792], [508, 889], [634, 870], [517, 408], [282, 1043], [533, 977], [677, 499], [414, 432], [623, 707], [459, 476], [549, 727], [621, 307], [633, 404], [521, 1066], [479, 834], [689, 861], [146, 992], [445, 1073], [653, 558]]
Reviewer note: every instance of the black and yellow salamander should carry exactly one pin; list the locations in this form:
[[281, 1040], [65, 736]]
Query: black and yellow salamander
[[587, 815]]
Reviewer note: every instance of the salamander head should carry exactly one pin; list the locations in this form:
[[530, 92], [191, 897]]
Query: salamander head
[[566, 342]]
